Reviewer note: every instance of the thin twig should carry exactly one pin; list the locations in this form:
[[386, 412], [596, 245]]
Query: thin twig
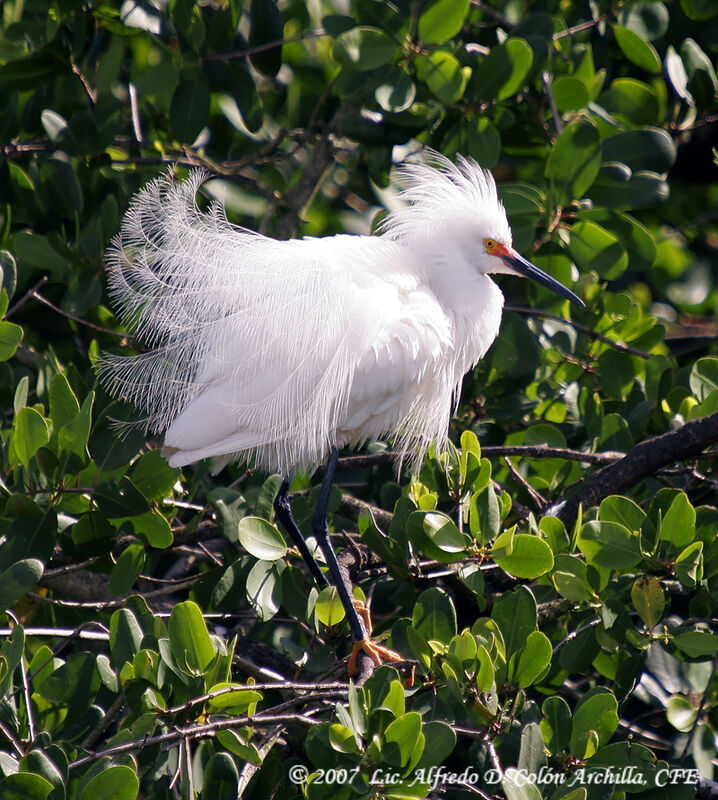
[[194, 731], [642, 461], [539, 501], [29, 294], [571, 636], [504, 21], [25, 685], [135, 113], [33, 294], [258, 687], [546, 83], [492, 451], [13, 741], [532, 312], [582, 26], [261, 48]]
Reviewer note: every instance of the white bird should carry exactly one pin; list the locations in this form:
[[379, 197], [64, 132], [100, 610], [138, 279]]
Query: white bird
[[279, 353]]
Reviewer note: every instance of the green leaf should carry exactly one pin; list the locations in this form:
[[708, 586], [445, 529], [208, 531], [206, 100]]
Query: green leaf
[[10, 337], [635, 238], [689, 565], [532, 660], [186, 16], [570, 93], [17, 579], [75, 434], [680, 713], [237, 744], [573, 162], [397, 90], [37, 251], [645, 148], [697, 644], [30, 434], [444, 76], [60, 184], [153, 527], [113, 783], [342, 739], [25, 786], [265, 25], [441, 20], [434, 615], [125, 636], [437, 535], [515, 786], [702, 81], [29, 536], [244, 90], [522, 555], [328, 608], [191, 646], [153, 477], [74, 684], [515, 614], [556, 724], [524, 206], [504, 71], [704, 377], [261, 539], [127, 569], [8, 275], [264, 588], [364, 48], [570, 577], [648, 599], [63, 403], [596, 713], [38, 762], [699, 9], [618, 374], [400, 738], [485, 674], [189, 109], [385, 692], [22, 74], [239, 701], [637, 50], [623, 510], [632, 101], [609, 544], [483, 141], [646, 18], [440, 741], [594, 248], [679, 522]]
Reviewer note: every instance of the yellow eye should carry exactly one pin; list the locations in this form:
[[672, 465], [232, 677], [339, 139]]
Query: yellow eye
[[489, 244]]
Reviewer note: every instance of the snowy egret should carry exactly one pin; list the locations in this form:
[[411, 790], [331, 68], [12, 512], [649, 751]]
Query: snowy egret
[[279, 353]]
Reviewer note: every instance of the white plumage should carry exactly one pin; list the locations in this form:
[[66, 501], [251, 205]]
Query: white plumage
[[274, 352]]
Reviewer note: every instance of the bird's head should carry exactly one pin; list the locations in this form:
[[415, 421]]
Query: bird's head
[[457, 206]]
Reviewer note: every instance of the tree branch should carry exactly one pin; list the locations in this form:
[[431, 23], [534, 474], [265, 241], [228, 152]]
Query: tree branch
[[645, 459]]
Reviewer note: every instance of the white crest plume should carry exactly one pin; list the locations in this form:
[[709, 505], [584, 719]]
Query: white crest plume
[[272, 352], [437, 191]]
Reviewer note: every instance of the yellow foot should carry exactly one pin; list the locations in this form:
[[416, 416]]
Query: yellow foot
[[376, 652]]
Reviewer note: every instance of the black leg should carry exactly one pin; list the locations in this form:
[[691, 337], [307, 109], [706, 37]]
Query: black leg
[[321, 532], [283, 510]]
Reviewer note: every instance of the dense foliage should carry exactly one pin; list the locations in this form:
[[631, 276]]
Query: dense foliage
[[161, 640]]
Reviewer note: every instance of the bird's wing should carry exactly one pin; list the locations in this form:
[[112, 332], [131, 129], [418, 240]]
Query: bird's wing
[[254, 341]]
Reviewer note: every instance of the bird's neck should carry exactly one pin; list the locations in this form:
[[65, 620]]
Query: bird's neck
[[471, 300]]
